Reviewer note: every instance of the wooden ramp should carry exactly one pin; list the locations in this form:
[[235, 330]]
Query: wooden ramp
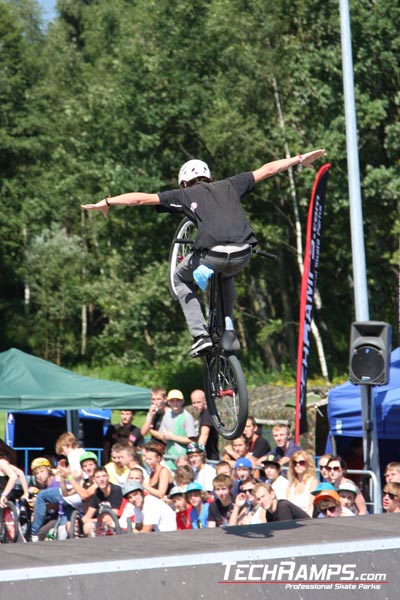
[[351, 558]]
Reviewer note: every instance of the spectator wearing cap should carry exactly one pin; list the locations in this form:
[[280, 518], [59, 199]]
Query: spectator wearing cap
[[203, 473], [147, 512], [348, 493], [328, 504], [178, 503], [258, 446], [207, 434], [177, 427], [197, 498], [243, 469], [391, 497], [220, 510], [272, 469], [277, 510], [336, 471]]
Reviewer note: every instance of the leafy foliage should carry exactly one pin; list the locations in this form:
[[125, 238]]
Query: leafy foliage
[[113, 97]]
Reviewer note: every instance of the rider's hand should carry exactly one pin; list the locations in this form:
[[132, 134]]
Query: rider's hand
[[101, 206], [309, 157], [3, 501]]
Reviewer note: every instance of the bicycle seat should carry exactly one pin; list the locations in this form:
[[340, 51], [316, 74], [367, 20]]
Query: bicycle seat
[[230, 341]]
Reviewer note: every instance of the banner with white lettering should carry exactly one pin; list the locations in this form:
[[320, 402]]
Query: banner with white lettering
[[308, 286]]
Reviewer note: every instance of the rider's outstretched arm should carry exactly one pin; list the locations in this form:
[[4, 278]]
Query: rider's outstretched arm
[[277, 166], [129, 199]]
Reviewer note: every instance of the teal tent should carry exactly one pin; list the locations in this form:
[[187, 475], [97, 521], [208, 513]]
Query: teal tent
[[31, 383]]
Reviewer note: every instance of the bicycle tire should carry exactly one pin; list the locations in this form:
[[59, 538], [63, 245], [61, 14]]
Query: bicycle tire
[[226, 393], [180, 247], [9, 524], [103, 526], [75, 526]]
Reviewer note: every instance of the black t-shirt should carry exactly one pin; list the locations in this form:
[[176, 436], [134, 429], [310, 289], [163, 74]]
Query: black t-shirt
[[215, 209], [219, 513], [260, 448], [212, 440], [114, 499], [286, 511], [135, 437]]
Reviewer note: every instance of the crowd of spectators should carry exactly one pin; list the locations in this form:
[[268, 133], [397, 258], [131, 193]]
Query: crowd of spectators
[[168, 475]]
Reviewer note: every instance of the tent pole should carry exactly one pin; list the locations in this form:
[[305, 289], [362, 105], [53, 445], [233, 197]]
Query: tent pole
[[370, 439]]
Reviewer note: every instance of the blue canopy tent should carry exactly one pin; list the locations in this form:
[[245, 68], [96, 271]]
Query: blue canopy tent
[[345, 416]]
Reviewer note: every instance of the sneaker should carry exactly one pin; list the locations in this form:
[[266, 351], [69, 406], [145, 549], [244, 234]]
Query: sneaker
[[34, 538], [200, 345]]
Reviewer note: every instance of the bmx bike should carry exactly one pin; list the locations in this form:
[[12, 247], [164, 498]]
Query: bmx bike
[[9, 524], [224, 381]]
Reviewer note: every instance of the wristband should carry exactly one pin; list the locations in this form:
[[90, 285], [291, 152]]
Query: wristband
[[106, 200], [69, 478], [300, 157]]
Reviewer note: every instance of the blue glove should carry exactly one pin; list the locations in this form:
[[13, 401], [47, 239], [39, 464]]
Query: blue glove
[[201, 275]]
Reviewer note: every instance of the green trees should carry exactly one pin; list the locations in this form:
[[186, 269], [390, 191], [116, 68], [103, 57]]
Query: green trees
[[114, 97]]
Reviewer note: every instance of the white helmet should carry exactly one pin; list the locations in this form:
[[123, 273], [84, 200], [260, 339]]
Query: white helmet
[[192, 169]]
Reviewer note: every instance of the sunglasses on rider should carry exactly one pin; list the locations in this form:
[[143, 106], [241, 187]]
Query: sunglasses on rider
[[328, 509], [391, 496], [302, 463]]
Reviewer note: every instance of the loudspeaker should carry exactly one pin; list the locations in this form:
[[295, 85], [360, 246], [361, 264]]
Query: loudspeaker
[[370, 347]]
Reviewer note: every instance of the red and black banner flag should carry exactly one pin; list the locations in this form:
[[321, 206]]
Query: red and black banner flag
[[308, 286]]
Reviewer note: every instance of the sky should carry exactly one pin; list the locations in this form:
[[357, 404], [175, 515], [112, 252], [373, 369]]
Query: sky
[[49, 9]]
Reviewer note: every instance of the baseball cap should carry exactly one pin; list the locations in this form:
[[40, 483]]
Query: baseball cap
[[175, 395], [322, 487], [193, 486], [327, 494], [195, 447], [245, 463], [176, 491], [271, 459], [348, 486], [88, 456], [131, 486]]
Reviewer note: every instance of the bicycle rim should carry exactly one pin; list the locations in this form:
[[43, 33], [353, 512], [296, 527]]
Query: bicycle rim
[[226, 394], [107, 523], [185, 234]]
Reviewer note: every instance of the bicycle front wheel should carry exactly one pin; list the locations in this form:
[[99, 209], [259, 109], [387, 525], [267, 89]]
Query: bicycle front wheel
[[180, 247], [75, 525], [226, 394]]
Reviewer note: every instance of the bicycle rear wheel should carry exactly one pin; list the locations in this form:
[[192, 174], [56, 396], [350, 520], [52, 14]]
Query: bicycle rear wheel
[[75, 525], [180, 247], [226, 394], [9, 524], [107, 523]]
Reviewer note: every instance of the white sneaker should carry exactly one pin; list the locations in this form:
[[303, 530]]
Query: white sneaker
[[34, 538], [200, 345]]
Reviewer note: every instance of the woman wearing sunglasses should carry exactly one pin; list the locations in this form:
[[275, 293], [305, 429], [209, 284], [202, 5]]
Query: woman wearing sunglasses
[[336, 471], [303, 479], [391, 497]]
